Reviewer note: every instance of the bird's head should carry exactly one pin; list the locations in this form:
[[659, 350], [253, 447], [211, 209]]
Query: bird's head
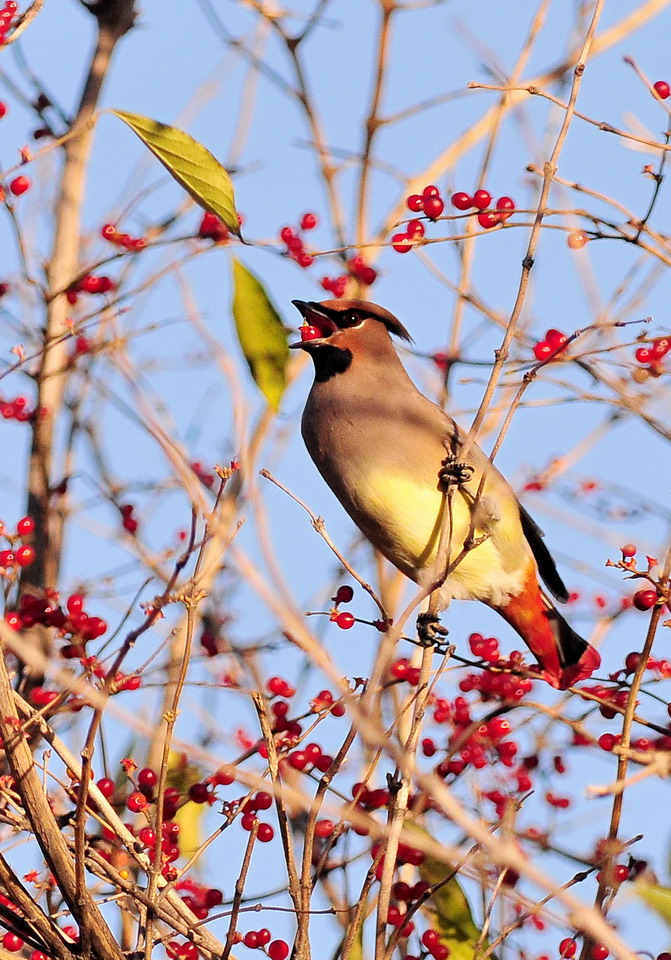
[[336, 330]]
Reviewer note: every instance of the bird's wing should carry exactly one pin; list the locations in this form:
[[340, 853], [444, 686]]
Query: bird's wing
[[543, 557]]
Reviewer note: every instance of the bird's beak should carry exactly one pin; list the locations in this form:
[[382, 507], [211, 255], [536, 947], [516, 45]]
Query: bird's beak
[[317, 317]]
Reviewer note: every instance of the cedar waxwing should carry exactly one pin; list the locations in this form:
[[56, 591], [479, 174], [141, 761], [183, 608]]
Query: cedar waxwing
[[389, 454]]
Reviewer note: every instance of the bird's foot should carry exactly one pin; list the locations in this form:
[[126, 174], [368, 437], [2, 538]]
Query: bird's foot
[[454, 472], [430, 630]]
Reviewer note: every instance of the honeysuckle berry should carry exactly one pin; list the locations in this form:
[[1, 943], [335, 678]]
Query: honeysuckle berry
[[344, 594], [136, 802], [415, 203], [662, 89], [482, 199], [19, 185], [401, 243], [25, 556], [487, 220], [3, 109], [25, 526], [433, 207], [599, 951], [505, 206], [308, 221], [542, 350], [278, 950], [415, 229], [344, 620], [12, 942], [263, 936], [461, 201], [555, 338], [643, 355], [265, 833], [645, 599]]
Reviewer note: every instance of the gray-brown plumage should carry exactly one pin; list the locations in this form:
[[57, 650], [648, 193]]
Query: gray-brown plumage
[[381, 445]]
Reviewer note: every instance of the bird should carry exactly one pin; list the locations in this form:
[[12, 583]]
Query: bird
[[390, 456]]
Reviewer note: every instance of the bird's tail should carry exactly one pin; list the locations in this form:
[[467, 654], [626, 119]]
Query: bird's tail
[[563, 655]]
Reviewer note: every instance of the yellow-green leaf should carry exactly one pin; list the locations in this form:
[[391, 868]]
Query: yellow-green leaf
[[190, 163], [448, 908], [261, 334], [659, 898]]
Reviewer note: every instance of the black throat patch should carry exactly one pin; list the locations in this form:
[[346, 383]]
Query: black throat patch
[[330, 361]]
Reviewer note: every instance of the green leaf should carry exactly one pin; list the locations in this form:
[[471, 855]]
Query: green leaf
[[261, 334], [191, 165], [448, 909], [659, 898]]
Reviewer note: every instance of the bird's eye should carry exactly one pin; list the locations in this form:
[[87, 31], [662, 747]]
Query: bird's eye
[[352, 319]]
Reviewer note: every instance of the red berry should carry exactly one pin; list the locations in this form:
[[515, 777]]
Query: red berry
[[343, 595], [415, 229], [263, 800], [505, 206], [25, 556], [278, 950], [19, 185], [543, 350], [488, 220], [199, 793], [263, 936], [324, 828], [629, 550], [599, 952], [309, 221], [106, 787], [643, 355], [430, 191], [12, 942], [3, 109], [462, 201], [265, 833], [433, 207], [310, 333], [287, 234], [401, 243], [662, 89], [567, 948], [136, 802], [345, 620], [556, 338], [482, 199], [147, 777], [645, 599], [25, 526], [607, 741], [250, 939], [415, 203], [430, 938]]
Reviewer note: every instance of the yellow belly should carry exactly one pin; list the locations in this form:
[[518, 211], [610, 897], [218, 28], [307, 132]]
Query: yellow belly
[[403, 519]]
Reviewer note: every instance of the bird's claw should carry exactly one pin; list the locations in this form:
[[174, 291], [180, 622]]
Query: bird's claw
[[453, 471], [429, 630]]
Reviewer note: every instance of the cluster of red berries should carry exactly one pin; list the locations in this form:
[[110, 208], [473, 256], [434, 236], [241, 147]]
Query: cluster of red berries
[[110, 233], [554, 343], [212, 227], [433, 944], [482, 200], [89, 284], [72, 623], [258, 939], [7, 15], [652, 355], [198, 898], [12, 942], [291, 238], [662, 89], [429, 203], [129, 522], [248, 807], [358, 269], [16, 409], [18, 554]]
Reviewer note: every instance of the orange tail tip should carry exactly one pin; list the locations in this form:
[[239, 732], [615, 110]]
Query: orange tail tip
[[563, 655]]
